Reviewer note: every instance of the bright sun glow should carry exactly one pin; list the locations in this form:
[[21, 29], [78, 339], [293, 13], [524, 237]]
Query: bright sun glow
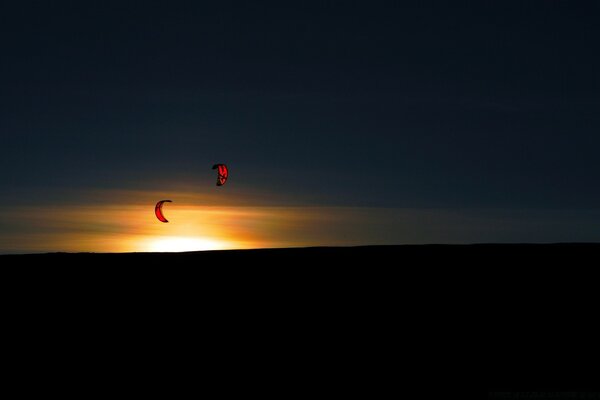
[[178, 244]]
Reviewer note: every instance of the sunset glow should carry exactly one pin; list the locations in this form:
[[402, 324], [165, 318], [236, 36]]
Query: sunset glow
[[117, 221], [179, 244]]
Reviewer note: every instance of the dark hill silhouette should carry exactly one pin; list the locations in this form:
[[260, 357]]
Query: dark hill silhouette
[[434, 321], [489, 252]]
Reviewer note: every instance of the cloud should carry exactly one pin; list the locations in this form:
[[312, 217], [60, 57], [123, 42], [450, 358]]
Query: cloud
[[124, 221]]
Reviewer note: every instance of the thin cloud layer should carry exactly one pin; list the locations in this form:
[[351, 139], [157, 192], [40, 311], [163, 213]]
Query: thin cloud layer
[[196, 222]]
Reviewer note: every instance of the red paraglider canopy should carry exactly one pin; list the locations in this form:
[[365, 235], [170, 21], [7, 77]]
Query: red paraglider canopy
[[158, 210], [223, 173]]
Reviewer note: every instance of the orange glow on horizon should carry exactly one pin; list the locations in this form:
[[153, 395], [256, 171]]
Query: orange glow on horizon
[[133, 228], [129, 224], [179, 244]]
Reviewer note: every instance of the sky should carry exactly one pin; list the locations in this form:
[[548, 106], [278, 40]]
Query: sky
[[342, 123]]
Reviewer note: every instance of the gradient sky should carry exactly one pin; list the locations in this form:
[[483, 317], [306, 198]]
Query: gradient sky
[[343, 122]]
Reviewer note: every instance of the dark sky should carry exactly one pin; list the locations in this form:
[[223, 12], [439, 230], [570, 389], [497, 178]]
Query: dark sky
[[383, 104]]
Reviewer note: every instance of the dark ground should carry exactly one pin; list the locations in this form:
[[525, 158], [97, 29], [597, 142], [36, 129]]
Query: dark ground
[[429, 322], [487, 253]]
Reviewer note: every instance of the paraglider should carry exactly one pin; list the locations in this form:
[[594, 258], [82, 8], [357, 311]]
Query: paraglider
[[223, 173], [158, 210]]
